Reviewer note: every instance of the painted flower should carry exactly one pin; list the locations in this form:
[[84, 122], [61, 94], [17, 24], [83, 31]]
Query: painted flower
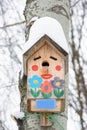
[[46, 87], [35, 81], [57, 83]]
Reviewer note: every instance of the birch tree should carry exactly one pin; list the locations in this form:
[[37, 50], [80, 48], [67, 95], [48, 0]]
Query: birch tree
[[10, 34], [60, 11], [78, 89]]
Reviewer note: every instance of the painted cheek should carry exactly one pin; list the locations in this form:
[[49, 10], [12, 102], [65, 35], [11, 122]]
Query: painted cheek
[[34, 67], [58, 67]]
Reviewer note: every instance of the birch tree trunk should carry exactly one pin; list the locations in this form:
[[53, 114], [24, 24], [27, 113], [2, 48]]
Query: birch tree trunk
[[58, 9]]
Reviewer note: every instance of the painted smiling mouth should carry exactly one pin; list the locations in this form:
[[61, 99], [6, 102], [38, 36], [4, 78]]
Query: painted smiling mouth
[[46, 76]]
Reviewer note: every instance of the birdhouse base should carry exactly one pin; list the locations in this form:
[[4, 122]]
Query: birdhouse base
[[45, 122], [31, 106]]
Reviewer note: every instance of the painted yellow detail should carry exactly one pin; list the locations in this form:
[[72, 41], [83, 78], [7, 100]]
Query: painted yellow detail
[[57, 83], [35, 82]]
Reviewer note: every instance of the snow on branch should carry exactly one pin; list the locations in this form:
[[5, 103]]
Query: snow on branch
[[19, 115]]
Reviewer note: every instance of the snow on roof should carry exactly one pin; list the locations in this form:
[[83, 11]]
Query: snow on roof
[[46, 26]]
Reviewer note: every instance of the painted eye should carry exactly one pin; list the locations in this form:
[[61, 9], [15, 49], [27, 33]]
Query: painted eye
[[58, 67], [34, 67]]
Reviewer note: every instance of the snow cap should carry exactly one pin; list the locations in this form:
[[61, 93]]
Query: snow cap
[[50, 27], [19, 115]]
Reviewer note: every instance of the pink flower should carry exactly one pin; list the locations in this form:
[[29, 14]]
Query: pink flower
[[46, 87]]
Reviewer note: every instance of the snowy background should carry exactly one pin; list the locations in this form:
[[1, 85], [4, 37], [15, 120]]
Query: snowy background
[[12, 40]]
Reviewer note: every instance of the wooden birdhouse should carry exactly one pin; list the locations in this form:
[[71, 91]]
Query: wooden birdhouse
[[45, 65]]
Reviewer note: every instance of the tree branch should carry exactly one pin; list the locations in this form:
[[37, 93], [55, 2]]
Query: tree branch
[[11, 25], [75, 4]]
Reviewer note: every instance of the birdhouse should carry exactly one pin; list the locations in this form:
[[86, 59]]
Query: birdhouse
[[46, 65]]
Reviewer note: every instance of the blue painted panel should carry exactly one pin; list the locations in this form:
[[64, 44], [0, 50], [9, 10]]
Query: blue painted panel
[[46, 104]]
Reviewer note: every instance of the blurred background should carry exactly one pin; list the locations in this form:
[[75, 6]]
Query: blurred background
[[12, 39]]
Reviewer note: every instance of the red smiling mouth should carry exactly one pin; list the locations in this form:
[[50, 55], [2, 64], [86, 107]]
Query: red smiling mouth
[[46, 76]]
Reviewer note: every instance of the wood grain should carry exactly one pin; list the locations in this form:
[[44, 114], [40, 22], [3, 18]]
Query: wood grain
[[60, 105]]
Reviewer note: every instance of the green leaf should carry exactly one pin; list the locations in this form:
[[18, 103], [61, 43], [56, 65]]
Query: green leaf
[[49, 95], [38, 93], [62, 93], [58, 94], [55, 92], [34, 93], [42, 94], [31, 90], [46, 95]]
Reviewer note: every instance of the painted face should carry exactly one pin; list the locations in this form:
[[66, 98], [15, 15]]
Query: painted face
[[46, 73], [46, 66], [35, 68], [58, 68]]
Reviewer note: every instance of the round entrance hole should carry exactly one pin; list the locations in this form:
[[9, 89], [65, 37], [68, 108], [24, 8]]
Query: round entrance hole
[[45, 63]]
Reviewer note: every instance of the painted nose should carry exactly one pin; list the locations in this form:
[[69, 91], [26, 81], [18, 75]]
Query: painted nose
[[45, 66]]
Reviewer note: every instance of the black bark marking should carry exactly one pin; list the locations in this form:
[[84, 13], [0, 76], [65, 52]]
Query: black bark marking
[[59, 9]]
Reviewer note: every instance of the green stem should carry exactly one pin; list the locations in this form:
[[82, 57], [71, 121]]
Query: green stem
[[35, 90], [58, 90]]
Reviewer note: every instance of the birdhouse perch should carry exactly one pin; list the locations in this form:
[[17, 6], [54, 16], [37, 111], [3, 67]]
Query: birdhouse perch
[[45, 65]]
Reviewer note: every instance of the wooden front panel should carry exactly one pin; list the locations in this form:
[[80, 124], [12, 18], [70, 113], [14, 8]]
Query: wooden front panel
[[46, 74]]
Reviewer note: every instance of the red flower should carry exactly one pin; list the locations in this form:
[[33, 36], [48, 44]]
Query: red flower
[[46, 87]]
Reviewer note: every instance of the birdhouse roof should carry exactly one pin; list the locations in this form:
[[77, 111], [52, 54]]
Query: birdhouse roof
[[50, 27]]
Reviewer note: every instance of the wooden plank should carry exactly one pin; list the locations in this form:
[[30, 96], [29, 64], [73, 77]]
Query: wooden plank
[[60, 105], [44, 121]]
